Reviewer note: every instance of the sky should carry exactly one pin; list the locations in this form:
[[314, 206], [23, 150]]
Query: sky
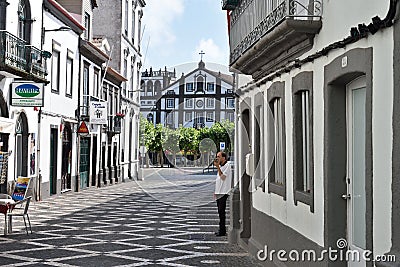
[[175, 31]]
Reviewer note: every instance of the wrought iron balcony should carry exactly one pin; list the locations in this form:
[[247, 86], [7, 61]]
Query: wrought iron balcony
[[229, 4], [266, 28], [114, 124], [19, 58]]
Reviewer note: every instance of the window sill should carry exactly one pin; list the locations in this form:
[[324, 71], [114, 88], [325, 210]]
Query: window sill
[[304, 197], [277, 189]]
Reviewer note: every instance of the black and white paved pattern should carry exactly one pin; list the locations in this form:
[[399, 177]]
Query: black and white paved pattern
[[144, 223]]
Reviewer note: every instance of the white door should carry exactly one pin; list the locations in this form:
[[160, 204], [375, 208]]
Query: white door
[[356, 195]]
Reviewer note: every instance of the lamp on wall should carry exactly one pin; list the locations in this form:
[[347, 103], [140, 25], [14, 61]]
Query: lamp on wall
[[60, 29]]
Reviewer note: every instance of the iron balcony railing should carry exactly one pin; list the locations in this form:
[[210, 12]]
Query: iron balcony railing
[[24, 60], [36, 62], [252, 19]]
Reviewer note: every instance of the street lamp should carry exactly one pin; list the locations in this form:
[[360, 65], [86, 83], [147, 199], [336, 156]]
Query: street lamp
[[60, 29]]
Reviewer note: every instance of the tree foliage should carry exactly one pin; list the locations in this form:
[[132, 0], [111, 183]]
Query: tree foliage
[[185, 139]]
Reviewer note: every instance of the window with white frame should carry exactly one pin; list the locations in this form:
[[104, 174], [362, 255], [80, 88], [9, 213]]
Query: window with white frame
[[133, 25], [210, 103], [210, 87], [199, 117], [189, 103], [69, 77], [126, 16], [188, 116], [170, 118], [85, 103], [110, 102], [139, 31], [200, 83], [230, 103], [132, 88], [189, 87], [210, 116], [55, 71], [96, 88], [86, 34], [104, 95], [149, 88], [231, 116], [125, 75], [170, 103]]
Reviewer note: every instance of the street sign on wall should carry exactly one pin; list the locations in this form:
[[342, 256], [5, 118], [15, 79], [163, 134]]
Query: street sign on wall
[[98, 112], [27, 94], [222, 146], [83, 129]]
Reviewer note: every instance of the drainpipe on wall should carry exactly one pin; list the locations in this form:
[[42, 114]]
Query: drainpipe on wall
[[38, 189], [78, 115], [234, 227]]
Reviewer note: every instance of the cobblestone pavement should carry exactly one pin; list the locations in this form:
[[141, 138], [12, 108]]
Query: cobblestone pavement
[[136, 223]]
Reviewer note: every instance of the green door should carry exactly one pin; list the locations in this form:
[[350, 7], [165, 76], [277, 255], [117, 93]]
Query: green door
[[84, 163], [53, 161]]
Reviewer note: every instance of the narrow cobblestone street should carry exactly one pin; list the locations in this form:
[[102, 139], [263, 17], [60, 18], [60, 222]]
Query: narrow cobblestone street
[[169, 219]]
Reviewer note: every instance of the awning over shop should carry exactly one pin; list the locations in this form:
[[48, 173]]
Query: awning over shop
[[7, 125]]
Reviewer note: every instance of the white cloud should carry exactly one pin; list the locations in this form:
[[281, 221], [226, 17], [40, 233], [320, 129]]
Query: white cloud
[[213, 53], [158, 18]]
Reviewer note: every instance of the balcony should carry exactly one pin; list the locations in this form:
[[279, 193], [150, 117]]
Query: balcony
[[114, 124], [18, 58], [229, 4], [266, 34]]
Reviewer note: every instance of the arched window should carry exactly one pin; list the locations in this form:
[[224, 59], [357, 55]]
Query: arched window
[[157, 87], [24, 20], [200, 83], [142, 86], [149, 88], [21, 142]]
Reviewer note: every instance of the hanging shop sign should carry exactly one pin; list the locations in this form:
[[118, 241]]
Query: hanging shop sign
[[98, 112], [27, 94]]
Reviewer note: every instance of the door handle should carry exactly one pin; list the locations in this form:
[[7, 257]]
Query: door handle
[[346, 196]]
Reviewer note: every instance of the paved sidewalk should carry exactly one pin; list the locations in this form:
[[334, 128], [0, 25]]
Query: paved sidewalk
[[126, 224]]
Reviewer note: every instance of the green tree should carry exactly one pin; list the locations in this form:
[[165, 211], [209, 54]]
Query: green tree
[[230, 131], [146, 135], [223, 132], [207, 147], [171, 143], [155, 142], [188, 141]]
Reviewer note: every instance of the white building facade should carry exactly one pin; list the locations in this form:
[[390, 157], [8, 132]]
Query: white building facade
[[61, 143], [320, 118], [123, 31]]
